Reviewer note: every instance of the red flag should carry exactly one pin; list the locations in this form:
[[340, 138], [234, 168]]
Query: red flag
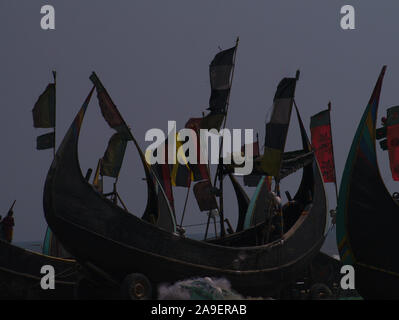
[[393, 140], [163, 174], [320, 127], [200, 171], [109, 110]]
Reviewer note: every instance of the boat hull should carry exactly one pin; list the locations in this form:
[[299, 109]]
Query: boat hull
[[367, 215], [20, 274], [99, 233]]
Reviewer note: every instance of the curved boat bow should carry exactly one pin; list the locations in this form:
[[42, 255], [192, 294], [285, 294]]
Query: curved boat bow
[[367, 215], [99, 233]]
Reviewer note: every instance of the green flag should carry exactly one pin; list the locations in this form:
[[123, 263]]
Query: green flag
[[113, 157], [45, 141], [44, 109]]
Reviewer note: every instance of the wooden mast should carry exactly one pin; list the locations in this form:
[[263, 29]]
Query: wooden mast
[[277, 179], [332, 151], [219, 172]]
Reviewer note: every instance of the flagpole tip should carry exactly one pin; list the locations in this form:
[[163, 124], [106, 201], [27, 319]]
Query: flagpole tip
[[329, 105], [384, 68], [297, 74]]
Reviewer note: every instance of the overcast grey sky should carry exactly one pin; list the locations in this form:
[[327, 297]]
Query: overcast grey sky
[[153, 58]]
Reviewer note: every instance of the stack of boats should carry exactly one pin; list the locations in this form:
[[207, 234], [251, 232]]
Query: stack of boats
[[117, 254]]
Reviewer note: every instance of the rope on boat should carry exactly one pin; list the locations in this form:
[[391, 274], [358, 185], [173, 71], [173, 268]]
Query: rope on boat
[[195, 225]]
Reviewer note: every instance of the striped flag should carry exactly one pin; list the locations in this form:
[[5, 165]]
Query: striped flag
[[220, 74], [277, 127]]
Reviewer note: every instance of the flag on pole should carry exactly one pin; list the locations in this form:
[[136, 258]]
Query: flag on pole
[[45, 141], [181, 174], [113, 157], [199, 170], [220, 74], [44, 110], [109, 109], [163, 172], [277, 127], [320, 128], [114, 119]]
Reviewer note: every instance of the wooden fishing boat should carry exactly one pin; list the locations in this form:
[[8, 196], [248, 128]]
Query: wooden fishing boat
[[302, 201], [292, 211], [321, 278], [367, 215], [117, 245], [20, 274]]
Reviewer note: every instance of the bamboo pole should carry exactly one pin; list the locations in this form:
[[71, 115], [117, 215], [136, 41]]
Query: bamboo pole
[[55, 108], [332, 151], [185, 204], [207, 225], [219, 171], [277, 179], [12, 206], [221, 214], [120, 200], [280, 209]]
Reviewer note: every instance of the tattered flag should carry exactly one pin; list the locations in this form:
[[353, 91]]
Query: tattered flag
[[277, 127], [109, 110], [220, 76]]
